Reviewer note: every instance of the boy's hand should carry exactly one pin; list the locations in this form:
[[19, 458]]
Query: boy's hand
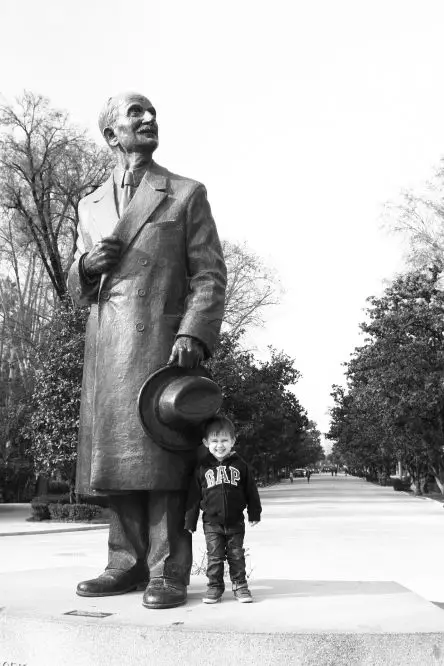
[[190, 531], [252, 523]]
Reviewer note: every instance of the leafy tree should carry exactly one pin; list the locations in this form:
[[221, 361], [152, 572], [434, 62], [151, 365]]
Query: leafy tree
[[273, 429], [394, 405], [311, 451], [15, 471], [52, 430], [363, 439], [15, 384]]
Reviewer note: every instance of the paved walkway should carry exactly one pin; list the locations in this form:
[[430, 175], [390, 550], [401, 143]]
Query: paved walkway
[[334, 528], [338, 555]]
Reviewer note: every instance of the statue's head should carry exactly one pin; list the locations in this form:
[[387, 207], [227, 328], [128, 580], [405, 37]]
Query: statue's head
[[128, 124]]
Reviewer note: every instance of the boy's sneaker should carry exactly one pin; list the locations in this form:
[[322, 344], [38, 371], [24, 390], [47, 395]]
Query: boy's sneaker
[[212, 595], [243, 595]]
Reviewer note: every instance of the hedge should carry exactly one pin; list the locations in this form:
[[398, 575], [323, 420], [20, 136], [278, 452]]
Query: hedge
[[61, 510], [40, 511], [73, 512], [400, 484]]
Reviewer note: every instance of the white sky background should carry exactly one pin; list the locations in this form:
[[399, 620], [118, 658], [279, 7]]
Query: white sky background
[[301, 118]]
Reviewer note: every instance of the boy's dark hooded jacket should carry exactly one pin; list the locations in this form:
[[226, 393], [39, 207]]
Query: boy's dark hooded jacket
[[222, 489]]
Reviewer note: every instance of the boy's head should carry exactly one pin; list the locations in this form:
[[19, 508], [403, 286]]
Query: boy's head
[[219, 436]]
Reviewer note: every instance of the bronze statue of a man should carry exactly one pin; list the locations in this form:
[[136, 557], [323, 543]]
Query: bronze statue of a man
[[150, 265]]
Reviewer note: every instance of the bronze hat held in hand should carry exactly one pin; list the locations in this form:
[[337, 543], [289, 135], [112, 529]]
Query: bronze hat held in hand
[[173, 404]]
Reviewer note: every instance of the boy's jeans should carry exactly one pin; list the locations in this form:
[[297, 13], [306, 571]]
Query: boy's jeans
[[225, 543]]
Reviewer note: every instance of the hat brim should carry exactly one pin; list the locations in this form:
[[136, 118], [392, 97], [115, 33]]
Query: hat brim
[[186, 438]]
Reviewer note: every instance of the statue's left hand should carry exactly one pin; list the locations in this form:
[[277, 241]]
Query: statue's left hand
[[187, 352]]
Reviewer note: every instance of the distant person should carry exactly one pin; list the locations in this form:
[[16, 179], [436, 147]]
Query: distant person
[[291, 477], [336, 471], [308, 474], [332, 471], [223, 487]]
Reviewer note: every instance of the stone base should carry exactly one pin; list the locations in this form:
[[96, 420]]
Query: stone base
[[314, 623], [33, 642]]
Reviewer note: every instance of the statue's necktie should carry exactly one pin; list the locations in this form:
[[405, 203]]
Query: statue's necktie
[[127, 191]]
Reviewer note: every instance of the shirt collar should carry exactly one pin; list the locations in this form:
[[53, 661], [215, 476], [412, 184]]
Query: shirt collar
[[135, 174]]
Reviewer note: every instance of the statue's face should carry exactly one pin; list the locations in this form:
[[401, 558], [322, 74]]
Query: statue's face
[[135, 128]]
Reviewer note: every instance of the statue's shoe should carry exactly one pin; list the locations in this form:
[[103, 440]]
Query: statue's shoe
[[164, 593], [112, 581]]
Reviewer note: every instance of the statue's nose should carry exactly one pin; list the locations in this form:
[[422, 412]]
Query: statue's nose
[[148, 116]]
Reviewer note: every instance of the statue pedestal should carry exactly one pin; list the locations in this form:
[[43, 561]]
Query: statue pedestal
[[43, 623]]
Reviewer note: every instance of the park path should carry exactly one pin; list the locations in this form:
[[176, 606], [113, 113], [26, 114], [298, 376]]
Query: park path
[[344, 528], [332, 529], [342, 573]]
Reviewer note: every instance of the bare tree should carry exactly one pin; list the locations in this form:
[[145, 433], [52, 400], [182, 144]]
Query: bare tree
[[419, 218], [251, 288], [26, 296], [46, 166]]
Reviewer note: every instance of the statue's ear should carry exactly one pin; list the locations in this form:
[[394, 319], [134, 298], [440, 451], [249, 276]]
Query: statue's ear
[[110, 137]]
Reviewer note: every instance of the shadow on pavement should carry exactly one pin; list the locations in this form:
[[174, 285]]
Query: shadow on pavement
[[274, 588]]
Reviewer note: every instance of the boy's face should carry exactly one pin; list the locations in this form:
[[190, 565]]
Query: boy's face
[[219, 444]]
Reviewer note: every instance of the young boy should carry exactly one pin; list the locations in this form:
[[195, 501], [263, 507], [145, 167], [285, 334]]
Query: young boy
[[223, 487]]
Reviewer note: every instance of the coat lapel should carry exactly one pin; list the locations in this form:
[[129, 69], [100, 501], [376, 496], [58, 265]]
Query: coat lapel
[[104, 211], [150, 193]]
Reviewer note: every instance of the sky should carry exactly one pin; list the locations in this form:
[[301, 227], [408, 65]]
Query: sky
[[301, 118]]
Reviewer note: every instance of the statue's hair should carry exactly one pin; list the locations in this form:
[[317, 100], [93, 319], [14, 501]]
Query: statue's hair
[[108, 114]]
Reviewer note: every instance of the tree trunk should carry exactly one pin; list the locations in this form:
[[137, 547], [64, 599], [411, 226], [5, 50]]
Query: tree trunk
[[438, 474], [42, 485], [418, 481]]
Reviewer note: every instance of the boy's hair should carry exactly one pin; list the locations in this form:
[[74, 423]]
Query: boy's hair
[[218, 424]]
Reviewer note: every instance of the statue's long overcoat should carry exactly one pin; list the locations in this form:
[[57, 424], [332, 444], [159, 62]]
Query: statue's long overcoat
[[170, 281]]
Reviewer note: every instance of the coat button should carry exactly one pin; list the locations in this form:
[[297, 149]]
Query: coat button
[[139, 326], [105, 295], [143, 262], [78, 290], [141, 292]]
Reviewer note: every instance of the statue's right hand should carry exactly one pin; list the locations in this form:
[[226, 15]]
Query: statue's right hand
[[104, 255]]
